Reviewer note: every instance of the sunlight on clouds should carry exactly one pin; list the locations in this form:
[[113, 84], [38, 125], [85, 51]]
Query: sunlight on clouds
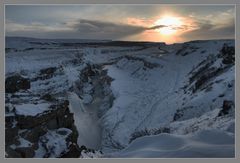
[[159, 23], [172, 24]]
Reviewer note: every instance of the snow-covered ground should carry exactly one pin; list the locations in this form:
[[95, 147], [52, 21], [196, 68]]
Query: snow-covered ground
[[180, 86], [205, 144]]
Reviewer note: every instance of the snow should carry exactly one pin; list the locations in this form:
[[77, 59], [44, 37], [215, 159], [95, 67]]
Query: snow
[[31, 109], [87, 98], [204, 144], [149, 98], [95, 154], [208, 120], [144, 97], [55, 143], [23, 143]]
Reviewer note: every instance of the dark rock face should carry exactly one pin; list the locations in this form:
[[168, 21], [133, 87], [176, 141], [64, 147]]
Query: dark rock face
[[201, 76], [59, 114], [25, 152], [48, 71], [48, 97], [11, 135], [206, 77], [74, 152], [226, 108], [228, 54], [45, 73], [33, 134], [11, 153], [88, 72], [34, 127], [186, 49], [16, 83]]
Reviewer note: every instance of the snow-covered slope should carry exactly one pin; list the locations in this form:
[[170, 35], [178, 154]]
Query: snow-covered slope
[[205, 144], [152, 97], [126, 90]]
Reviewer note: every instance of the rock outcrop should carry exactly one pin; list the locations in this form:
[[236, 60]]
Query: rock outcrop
[[15, 83], [32, 128]]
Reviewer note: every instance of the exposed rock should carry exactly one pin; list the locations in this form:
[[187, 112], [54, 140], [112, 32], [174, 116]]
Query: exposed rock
[[87, 72], [33, 134], [228, 54], [48, 97], [186, 49], [146, 132], [25, 152], [16, 83], [9, 120], [48, 71], [56, 113], [83, 148], [11, 153], [11, 135], [227, 106], [45, 73], [74, 152], [179, 115], [146, 63], [32, 128], [208, 75]]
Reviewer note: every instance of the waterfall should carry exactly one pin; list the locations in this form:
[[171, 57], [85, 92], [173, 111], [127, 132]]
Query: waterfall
[[86, 123]]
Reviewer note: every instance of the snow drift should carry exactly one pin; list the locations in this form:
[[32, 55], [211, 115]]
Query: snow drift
[[205, 144]]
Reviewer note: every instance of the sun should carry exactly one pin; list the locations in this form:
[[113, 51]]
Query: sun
[[171, 25]]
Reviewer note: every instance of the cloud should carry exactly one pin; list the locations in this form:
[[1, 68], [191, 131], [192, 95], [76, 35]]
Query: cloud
[[95, 29], [208, 30], [103, 29], [31, 27], [82, 28], [156, 27]]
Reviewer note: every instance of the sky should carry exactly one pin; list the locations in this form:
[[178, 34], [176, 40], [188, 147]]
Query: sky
[[158, 23]]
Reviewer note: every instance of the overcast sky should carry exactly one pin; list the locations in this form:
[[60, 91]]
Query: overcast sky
[[168, 23]]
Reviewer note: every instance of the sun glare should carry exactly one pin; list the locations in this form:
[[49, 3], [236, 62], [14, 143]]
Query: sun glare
[[171, 25]]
